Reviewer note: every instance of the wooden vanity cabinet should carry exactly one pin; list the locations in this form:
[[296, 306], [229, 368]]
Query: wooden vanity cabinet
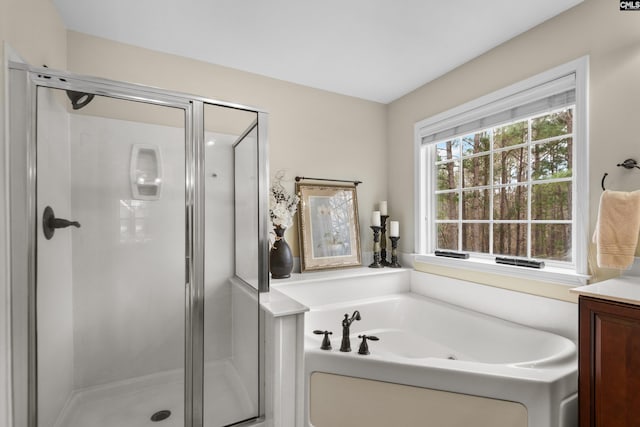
[[609, 364]]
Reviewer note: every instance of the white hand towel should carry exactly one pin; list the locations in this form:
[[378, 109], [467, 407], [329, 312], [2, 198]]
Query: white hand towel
[[616, 233]]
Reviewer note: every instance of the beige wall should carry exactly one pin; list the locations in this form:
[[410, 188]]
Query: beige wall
[[596, 28], [34, 30], [311, 132]]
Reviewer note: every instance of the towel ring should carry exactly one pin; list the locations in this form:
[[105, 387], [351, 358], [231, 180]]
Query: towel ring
[[627, 164]]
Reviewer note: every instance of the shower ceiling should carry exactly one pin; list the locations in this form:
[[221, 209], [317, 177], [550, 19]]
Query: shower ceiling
[[373, 49]]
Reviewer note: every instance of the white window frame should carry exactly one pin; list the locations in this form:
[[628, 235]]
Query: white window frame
[[574, 273]]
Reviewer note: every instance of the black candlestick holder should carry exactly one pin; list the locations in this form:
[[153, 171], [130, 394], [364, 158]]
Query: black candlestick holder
[[376, 247], [394, 252], [383, 240]]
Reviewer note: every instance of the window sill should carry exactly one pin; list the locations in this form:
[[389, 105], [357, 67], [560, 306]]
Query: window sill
[[548, 274]]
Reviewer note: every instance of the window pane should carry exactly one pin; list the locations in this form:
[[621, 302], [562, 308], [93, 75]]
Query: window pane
[[510, 239], [474, 143], [510, 203], [551, 241], [552, 160], [448, 237], [493, 183], [448, 175], [447, 206], [475, 238], [475, 171], [554, 124], [448, 150], [551, 201], [510, 166], [514, 134], [475, 205]]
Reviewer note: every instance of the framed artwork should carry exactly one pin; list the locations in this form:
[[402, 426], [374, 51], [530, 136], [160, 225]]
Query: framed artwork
[[328, 226]]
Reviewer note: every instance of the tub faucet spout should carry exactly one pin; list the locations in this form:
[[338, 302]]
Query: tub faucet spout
[[346, 324]]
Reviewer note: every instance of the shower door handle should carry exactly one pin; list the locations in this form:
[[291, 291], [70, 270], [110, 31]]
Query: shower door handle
[[50, 223]]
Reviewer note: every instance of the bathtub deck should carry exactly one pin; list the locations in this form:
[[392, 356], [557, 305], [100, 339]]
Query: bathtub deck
[[131, 403]]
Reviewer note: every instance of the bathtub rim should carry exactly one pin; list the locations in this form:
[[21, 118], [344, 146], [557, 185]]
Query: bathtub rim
[[567, 355]]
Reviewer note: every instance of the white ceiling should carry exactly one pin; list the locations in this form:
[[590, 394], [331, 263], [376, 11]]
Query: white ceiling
[[373, 49]]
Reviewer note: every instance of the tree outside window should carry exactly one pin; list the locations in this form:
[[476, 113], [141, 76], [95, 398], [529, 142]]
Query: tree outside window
[[507, 190]]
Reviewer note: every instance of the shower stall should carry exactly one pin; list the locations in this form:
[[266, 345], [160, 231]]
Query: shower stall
[[138, 254]]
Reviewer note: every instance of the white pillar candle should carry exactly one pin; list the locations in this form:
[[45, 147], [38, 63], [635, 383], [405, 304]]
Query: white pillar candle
[[394, 229], [375, 219], [383, 207]]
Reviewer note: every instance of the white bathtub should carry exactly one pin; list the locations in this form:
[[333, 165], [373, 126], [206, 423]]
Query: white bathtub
[[430, 344]]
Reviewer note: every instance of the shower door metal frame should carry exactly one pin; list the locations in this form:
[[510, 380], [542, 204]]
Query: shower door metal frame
[[23, 216]]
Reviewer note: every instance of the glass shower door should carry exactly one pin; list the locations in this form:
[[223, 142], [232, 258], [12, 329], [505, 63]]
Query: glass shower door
[[231, 321], [110, 290]]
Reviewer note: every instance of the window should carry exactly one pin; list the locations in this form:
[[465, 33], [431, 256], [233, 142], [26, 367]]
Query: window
[[498, 177], [506, 190]]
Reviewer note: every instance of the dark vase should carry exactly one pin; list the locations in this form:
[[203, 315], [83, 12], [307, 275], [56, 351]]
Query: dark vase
[[280, 258]]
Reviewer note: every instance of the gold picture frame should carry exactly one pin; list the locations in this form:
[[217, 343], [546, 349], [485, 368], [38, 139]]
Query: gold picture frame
[[328, 226]]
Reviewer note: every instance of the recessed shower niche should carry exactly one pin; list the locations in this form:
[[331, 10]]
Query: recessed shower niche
[[143, 313], [146, 172]]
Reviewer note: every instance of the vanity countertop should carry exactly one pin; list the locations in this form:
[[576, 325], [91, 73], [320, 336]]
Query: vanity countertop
[[621, 289]]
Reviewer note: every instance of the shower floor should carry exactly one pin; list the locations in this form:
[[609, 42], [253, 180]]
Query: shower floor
[[131, 403]]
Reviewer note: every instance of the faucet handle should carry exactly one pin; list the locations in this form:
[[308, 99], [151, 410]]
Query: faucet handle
[[326, 343], [364, 347]]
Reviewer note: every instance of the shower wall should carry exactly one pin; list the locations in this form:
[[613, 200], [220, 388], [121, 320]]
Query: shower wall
[[54, 292], [128, 318], [122, 237], [128, 268]]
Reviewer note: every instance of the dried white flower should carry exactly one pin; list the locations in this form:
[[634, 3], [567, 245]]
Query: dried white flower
[[282, 205]]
